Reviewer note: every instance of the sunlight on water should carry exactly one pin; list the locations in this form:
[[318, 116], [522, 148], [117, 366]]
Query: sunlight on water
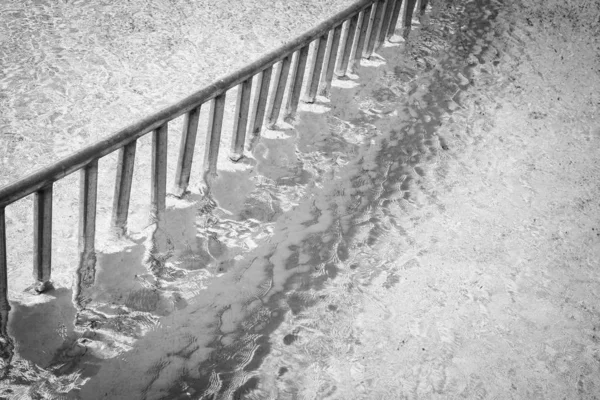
[[191, 308], [73, 72]]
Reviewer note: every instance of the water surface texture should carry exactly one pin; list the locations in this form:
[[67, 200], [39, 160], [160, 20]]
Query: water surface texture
[[399, 240], [73, 72]]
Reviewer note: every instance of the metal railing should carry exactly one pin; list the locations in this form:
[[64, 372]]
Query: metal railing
[[370, 23]]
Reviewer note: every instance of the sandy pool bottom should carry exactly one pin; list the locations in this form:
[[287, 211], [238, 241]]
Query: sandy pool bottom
[[495, 293], [471, 266]]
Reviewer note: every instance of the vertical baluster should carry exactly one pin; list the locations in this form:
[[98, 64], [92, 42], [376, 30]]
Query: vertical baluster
[[6, 344], [259, 105], [335, 43], [3, 261], [387, 17], [213, 135], [315, 70], [241, 119], [421, 7], [298, 78], [158, 183], [281, 82], [364, 18], [394, 19], [325, 60], [123, 188], [369, 28], [342, 47], [350, 33], [186, 151], [3, 264], [375, 27], [408, 14], [42, 238], [88, 191]]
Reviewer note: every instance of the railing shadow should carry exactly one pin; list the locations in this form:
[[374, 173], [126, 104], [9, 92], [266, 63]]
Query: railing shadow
[[123, 299], [240, 306], [41, 327], [410, 142]]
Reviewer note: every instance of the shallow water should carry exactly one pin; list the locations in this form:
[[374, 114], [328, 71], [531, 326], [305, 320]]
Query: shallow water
[[202, 307], [73, 72]]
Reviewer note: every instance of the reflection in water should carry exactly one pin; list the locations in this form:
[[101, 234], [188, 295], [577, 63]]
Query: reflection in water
[[189, 308]]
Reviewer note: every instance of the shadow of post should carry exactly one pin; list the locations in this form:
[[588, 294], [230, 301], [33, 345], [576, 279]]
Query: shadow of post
[[129, 290], [41, 328]]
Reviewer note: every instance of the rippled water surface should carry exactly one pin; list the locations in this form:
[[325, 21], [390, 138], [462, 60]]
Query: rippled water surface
[[74, 71], [188, 310], [210, 304]]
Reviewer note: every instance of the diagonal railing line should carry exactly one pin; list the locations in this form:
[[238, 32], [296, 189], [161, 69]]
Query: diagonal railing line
[[367, 23], [37, 180]]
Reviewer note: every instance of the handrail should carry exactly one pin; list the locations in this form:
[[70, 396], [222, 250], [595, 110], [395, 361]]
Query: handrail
[[42, 177], [370, 22]]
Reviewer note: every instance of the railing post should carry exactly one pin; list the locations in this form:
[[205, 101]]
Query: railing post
[[88, 194], [158, 185], [3, 262], [422, 7], [349, 43], [6, 344], [42, 238], [394, 19], [281, 81], [408, 13], [241, 119], [213, 136], [375, 28], [315, 70], [387, 17], [259, 105], [363, 23], [298, 78], [186, 151], [335, 44], [325, 62], [369, 28], [123, 188]]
